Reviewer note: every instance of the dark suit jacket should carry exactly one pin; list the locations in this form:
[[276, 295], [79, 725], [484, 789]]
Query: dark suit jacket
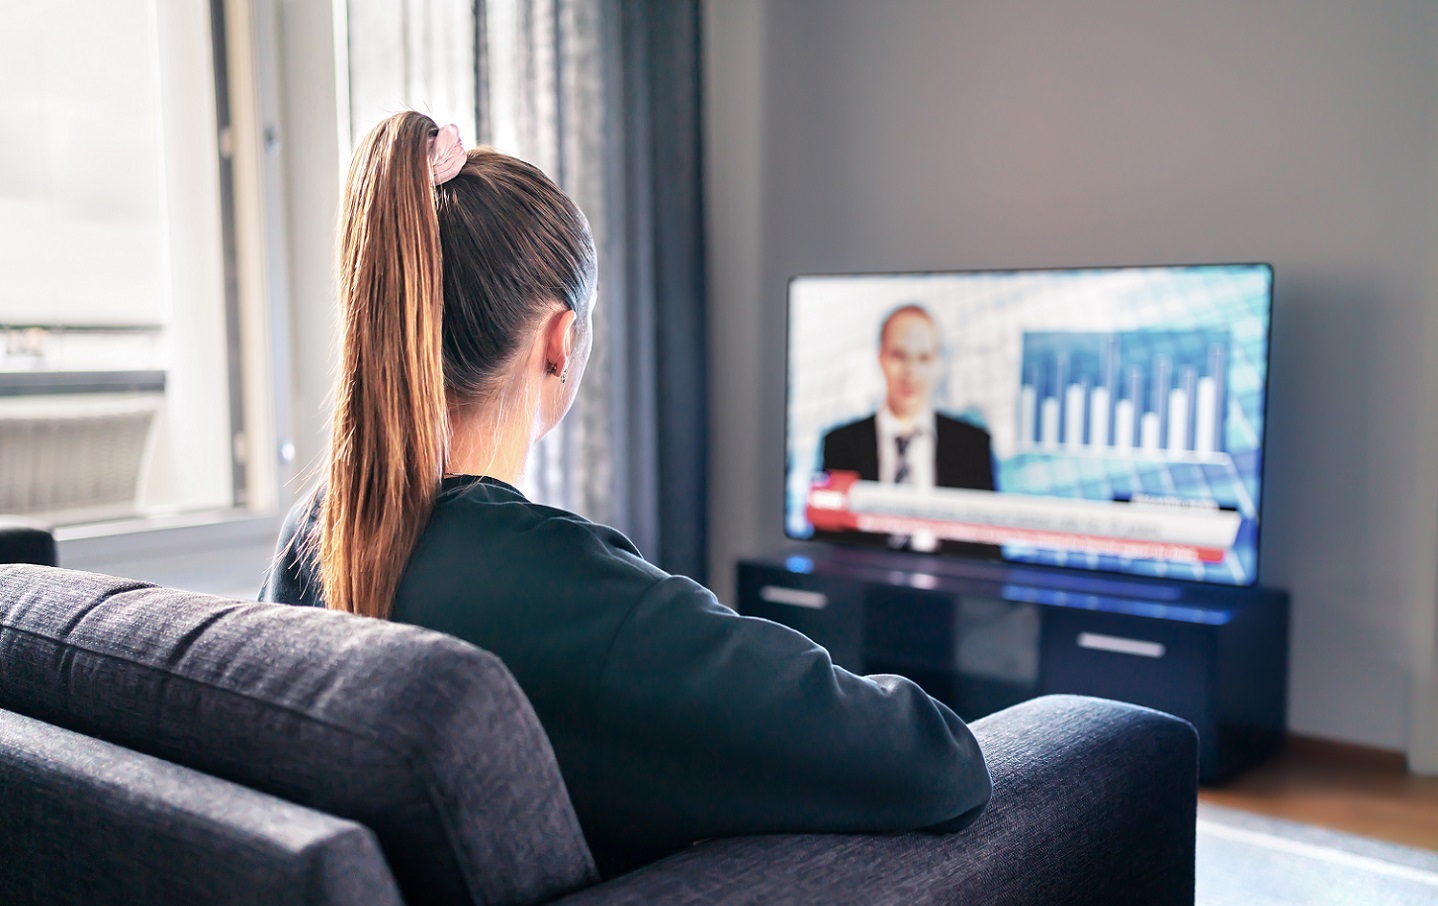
[[963, 458], [963, 454]]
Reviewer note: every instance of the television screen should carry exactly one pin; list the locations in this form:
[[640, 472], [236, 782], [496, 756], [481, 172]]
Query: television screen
[[1105, 419]]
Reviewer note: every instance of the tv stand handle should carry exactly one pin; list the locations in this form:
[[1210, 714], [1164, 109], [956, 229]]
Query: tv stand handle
[[1120, 645], [778, 594]]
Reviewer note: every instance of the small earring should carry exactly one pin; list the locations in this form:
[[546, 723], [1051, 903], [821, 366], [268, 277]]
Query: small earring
[[564, 376], [550, 369]]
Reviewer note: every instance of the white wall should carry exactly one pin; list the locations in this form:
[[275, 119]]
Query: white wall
[[191, 464], [849, 135], [315, 124]]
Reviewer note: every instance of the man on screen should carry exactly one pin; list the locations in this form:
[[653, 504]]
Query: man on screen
[[906, 441]]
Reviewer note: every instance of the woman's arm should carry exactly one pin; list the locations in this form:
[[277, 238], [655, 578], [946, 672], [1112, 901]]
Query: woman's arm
[[712, 724], [292, 578]]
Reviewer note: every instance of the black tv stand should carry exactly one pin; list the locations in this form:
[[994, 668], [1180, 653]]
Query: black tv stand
[[981, 636]]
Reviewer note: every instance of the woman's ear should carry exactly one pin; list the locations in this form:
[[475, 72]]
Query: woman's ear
[[558, 334]]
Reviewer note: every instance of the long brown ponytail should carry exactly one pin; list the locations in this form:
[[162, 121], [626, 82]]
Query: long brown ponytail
[[390, 425], [439, 287]]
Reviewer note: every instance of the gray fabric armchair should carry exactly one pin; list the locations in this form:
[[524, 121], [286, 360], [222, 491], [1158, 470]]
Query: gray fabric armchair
[[85, 821], [163, 746]]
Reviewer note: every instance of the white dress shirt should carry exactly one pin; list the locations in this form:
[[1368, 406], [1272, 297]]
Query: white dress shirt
[[919, 454]]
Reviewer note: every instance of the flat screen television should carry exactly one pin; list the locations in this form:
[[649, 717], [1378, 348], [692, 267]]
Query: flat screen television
[[1099, 418]]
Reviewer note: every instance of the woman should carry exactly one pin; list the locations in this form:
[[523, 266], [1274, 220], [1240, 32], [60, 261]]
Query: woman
[[467, 282]]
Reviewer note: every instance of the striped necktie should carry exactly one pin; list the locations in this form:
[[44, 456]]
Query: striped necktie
[[901, 467]]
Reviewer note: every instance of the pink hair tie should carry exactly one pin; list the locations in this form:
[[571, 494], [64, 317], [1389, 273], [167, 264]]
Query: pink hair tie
[[446, 154]]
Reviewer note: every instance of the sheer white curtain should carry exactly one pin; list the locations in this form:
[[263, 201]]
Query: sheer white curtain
[[603, 96], [545, 102], [412, 54], [550, 104]]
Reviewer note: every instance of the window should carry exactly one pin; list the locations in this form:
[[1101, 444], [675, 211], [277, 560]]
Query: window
[[130, 381]]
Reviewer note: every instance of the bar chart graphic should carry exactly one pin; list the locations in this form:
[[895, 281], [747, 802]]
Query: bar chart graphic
[[1150, 393], [1115, 415]]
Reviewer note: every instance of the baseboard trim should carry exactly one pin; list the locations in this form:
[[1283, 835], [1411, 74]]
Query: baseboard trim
[[1313, 749]]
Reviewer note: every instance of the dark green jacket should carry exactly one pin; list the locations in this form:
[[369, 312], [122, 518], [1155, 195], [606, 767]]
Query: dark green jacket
[[673, 718]]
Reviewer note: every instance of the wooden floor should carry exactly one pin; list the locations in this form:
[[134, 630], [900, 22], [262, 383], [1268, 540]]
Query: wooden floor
[[1348, 788]]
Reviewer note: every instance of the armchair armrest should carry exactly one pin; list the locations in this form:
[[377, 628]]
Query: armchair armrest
[[25, 541], [82, 820], [1094, 802]]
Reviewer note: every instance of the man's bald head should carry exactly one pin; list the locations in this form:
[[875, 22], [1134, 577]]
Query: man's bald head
[[906, 311], [909, 358]]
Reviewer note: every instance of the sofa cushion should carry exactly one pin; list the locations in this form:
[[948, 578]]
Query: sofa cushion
[[85, 821], [423, 738]]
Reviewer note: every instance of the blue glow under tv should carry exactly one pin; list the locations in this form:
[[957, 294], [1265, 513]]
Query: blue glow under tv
[[1100, 418]]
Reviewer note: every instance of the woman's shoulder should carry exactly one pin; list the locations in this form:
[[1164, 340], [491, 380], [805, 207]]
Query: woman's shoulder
[[480, 525], [489, 512]]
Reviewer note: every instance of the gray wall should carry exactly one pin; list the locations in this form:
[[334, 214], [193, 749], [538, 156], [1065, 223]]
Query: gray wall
[[852, 135]]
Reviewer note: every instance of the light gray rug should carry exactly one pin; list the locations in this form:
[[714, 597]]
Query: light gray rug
[[1251, 860]]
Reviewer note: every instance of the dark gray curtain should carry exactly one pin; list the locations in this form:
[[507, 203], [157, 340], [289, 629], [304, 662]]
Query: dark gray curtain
[[605, 96], [664, 217]]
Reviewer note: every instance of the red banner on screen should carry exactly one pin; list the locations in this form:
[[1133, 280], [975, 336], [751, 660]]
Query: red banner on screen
[[827, 509]]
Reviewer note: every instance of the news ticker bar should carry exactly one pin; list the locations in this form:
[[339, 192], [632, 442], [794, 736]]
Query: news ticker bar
[[841, 502]]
